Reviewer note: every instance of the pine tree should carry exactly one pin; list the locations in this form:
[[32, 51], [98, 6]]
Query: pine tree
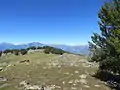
[[105, 47]]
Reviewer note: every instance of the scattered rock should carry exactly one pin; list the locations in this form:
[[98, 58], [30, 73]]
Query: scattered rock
[[76, 72], [1, 68], [58, 86], [9, 65], [27, 86], [63, 82], [83, 81], [4, 85], [47, 88], [97, 85], [2, 79], [83, 76], [74, 88], [59, 66], [32, 87], [67, 73], [44, 67], [52, 86], [74, 84], [76, 81], [86, 86]]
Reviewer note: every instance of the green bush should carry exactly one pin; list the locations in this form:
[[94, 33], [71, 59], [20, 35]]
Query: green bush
[[7, 51], [48, 49], [23, 51], [33, 47], [28, 49], [0, 53], [39, 47], [16, 52]]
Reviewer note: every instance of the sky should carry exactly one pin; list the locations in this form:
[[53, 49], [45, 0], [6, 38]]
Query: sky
[[70, 22]]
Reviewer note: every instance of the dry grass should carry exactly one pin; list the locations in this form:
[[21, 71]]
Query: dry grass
[[63, 71]]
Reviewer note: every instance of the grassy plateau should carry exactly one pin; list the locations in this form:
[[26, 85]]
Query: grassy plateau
[[53, 72]]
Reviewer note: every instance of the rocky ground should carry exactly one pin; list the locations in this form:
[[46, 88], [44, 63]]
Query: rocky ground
[[39, 71]]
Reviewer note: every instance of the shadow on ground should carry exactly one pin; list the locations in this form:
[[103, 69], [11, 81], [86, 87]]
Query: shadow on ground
[[113, 81]]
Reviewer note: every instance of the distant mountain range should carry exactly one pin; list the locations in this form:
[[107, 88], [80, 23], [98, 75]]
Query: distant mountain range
[[81, 49]]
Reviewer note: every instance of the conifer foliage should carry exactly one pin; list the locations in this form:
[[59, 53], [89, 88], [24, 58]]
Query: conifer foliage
[[105, 47]]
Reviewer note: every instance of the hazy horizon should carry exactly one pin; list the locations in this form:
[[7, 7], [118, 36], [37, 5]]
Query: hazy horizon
[[44, 43], [65, 22]]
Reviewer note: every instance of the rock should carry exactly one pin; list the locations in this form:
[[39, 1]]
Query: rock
[[74, 88], [9, 65], [53, 86], [63, 82], [59, 66], [67, 73], [83, 76], [34, 87], [4, 85], [74, 84], [44, 67], [86, 86], [47, 88], [76, 72], [1, 69], [58, 87], [76, 81], [27, 86], [83, 81], [24, 83], [70, 82], [97, 85], [2, 79]]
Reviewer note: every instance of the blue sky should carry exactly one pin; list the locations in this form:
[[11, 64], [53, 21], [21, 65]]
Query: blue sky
[[69, 22]]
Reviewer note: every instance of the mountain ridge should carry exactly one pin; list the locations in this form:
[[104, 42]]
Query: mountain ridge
[[78, 49]]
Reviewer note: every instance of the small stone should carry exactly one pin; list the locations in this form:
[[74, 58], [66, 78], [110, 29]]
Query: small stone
[[74, 84], [70, 82], [2, 79], [23, 83], [63, 82], [83, 76], [76, 81], [1, 69], [58, 87], [59, 66], [4, 85], [86, 86], [83, 81], [76, 72], [67, 73], [9, 65], [97, 85], [44, 67], [73, 88]]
